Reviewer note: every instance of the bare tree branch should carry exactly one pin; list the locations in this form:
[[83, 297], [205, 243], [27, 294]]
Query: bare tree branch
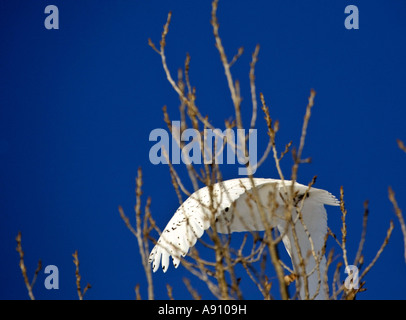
[[24, 269], [78, 277], [399, 215]]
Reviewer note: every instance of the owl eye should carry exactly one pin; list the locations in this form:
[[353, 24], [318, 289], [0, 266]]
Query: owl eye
[[226, 209]]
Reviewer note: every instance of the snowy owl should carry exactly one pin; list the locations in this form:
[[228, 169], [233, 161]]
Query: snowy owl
[[236, 211]]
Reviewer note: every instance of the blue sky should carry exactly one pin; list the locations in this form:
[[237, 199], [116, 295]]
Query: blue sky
[[77, 105]]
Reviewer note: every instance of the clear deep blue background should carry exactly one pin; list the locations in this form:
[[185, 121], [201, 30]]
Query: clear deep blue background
[[77, 106]]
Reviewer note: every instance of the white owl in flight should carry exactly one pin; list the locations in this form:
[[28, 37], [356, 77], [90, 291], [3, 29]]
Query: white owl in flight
[[237, 211]]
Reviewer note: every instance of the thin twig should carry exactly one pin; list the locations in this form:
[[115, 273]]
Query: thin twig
[[252, 86], [385, 242], [235, 98], [398, 213], [272, 130], [78, 277], [193, 292], [298, 154], [24, 269], [363, 235], [344, 227], [401, 145], [237, 56], [141, 231], [169, 291], [137, 292]]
